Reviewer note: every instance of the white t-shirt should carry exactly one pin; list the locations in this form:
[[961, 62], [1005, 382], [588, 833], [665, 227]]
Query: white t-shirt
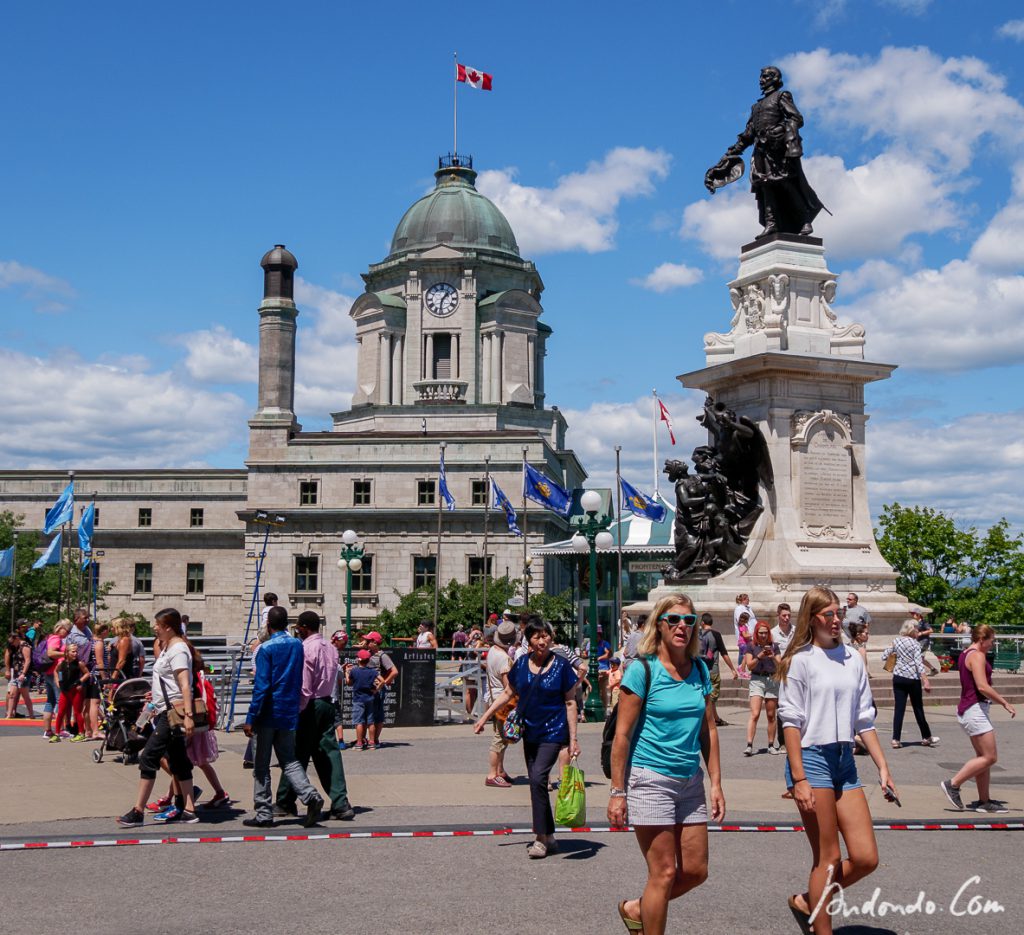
[[265, 613], [783, 639], [826, 694], [176, 656], [743, 609], [498, 664]]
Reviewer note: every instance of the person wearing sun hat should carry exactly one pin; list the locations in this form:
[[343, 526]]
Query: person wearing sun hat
[[499, 661], [387, 672]]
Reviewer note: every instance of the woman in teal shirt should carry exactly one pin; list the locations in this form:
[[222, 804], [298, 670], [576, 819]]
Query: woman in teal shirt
[[660, 735]]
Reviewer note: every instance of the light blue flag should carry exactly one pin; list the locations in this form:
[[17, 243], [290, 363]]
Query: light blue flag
[[52, 554], [442, 484], [640, 504], [7, 562], [545, 492], [62, 511], [86, 525], [500, 500]]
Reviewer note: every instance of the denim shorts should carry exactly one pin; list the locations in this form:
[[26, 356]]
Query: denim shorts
[[363, 711], [828, 766]]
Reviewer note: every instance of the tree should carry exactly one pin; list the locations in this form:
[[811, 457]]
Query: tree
[[957, 572], [458, 604]]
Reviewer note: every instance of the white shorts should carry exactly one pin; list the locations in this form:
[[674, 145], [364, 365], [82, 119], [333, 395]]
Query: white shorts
[[975, 719], [655, 799], [764, 686]]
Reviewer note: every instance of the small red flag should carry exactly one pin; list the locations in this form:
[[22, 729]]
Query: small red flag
[[471, 76], [667, 419]]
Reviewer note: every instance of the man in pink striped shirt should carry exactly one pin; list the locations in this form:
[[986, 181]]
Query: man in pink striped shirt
[[315, 737]]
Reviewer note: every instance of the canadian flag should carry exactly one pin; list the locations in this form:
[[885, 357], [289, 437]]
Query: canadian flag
[[477, 79], [667, 419]]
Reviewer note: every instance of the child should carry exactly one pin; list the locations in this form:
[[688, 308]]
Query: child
[[361, 678], [72, 676], [615, 679]]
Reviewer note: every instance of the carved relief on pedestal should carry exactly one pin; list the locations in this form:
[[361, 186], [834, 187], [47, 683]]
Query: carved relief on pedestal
[[827, 291], [822, 450], [750, 305]]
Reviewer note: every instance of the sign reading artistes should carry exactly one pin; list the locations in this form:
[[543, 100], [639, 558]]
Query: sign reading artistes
[[826, 481], [409, 701]]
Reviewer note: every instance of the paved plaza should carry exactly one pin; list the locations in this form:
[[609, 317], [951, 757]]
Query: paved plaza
[[431, 779]]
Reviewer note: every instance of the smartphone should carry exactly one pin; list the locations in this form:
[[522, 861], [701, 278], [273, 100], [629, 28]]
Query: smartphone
[[890, 795]]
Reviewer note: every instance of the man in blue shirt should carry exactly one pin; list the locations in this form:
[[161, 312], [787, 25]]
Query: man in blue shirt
[[272, 719]]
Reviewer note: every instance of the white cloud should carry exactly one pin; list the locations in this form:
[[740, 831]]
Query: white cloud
[[579, 212], [939, 109], [217, 356], [925, 463], [325, 357], [65, 411], [875, 207], [1001, 245], [1013, 29], [46, 292], [670, 276], [595, 431]]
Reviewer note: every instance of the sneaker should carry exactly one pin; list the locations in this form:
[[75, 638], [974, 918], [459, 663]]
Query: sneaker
[[79, 738], [342, 745], [218, 801], [47, 734], [991, 807], [54, 738], [366, 746], [952, 793], [279, 811], [930, 742], [188, 818], [343, 813], [171, 813], [133, 818], [65, 735], [160, 804], [720, 723], [748, 750], [774, 748], [258, 822], [313, 809]]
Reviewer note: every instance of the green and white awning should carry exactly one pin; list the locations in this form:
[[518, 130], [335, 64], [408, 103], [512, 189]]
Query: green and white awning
[[639, 535]]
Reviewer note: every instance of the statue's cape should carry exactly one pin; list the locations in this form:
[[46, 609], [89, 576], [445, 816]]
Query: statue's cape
[[729, 169]]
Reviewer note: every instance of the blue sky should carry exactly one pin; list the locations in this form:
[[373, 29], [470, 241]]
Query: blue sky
[[154, 152]]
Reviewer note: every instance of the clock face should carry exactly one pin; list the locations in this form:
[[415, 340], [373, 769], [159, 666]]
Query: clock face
[[442, 299]]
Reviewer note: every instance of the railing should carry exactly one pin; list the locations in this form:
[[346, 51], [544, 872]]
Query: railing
[[441, 390], [454, 161]]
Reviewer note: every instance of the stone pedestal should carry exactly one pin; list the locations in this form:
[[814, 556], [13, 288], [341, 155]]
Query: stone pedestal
[[788, 364]]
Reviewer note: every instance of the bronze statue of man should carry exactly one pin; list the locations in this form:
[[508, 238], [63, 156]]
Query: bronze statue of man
[[786, 203]]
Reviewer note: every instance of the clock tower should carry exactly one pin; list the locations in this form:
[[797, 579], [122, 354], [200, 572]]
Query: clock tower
[[451, 317]]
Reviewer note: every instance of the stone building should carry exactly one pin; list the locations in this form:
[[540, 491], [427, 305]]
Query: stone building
[[450, 351]]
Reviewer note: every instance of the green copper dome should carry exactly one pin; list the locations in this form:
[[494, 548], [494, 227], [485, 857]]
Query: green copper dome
[[454, 213]]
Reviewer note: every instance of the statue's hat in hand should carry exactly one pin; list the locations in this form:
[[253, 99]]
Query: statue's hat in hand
[[729, 169]]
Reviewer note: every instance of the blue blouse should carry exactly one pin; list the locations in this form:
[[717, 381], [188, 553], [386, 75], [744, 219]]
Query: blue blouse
[[542, 706]]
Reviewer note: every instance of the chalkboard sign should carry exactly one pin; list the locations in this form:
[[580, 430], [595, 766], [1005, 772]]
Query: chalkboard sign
[[410, 698]]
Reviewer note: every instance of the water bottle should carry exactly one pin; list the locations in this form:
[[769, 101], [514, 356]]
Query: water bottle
[[145, 716]]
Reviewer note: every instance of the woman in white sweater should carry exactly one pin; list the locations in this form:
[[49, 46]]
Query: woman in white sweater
[[824, 701]]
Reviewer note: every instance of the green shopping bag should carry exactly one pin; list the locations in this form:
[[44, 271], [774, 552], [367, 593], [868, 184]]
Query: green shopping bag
[[571, 805]]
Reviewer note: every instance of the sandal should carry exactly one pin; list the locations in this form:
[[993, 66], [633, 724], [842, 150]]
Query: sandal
[[498, 782], [803, 919], [538, 850], [896, 745], [632, 925]]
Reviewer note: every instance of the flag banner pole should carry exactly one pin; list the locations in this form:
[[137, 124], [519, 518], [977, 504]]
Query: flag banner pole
[[618, 512], [437, 560], [526, 586], [487, 516], [654, 437], [14, 579], [455, 105]]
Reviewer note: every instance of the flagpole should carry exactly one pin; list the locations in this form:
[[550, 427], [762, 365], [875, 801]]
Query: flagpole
[[14, 579], [487, 516], [654, 438], [71, 531], [618, 510], [455, 105], [526, 584], [437, 562]]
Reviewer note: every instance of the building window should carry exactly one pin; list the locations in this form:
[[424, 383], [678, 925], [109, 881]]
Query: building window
[[425, 495], [479, 492], [196, 516], [143, 578], [145, 516], [194, 576], [307, 572], [96, 517], [309, 492], [362, 580], [442, 356], [361, 490], [424, 571], [479, 568]]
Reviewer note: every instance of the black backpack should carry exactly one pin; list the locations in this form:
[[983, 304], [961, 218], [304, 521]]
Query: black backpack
[[609, 726]]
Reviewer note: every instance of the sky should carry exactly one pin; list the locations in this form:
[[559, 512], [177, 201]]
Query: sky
[[153, 152]]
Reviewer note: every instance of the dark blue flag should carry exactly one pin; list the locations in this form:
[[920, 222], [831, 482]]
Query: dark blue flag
[[442, 485], [546, 492], [500, 500], [640, 504]]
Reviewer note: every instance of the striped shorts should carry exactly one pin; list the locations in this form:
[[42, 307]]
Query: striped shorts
[[655, 799]]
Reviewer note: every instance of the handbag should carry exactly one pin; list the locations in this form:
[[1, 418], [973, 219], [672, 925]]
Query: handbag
[[176, 713], [890, 662], [512, 728]]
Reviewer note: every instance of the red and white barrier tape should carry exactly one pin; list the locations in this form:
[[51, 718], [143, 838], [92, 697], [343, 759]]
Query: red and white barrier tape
[[358, 835]]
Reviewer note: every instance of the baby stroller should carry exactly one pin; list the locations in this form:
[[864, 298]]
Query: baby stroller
[[123, 710]]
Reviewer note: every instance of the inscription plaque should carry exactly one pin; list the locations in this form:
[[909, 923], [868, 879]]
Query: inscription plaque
[[826, 481]]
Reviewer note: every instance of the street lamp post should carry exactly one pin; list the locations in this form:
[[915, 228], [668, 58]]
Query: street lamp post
[[592, 534], [351, 560]]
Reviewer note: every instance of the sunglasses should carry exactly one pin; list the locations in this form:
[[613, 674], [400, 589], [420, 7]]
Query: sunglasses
[[828, 614], [674, 620]]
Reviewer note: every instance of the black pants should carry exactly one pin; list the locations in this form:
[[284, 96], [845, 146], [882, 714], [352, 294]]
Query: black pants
[[901, 688], [540, 757], [164, 742]]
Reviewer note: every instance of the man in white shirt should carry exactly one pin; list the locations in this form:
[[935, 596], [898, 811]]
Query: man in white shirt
[[783, 632], [269, 600], [854, 614]]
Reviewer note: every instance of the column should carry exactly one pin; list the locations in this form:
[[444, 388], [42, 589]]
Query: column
[[456, 370], [428, 358], [496, 367], [485, 368], [397, 369], [385, 369]]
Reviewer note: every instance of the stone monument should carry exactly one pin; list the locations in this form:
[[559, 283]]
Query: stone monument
[[791, 370]]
